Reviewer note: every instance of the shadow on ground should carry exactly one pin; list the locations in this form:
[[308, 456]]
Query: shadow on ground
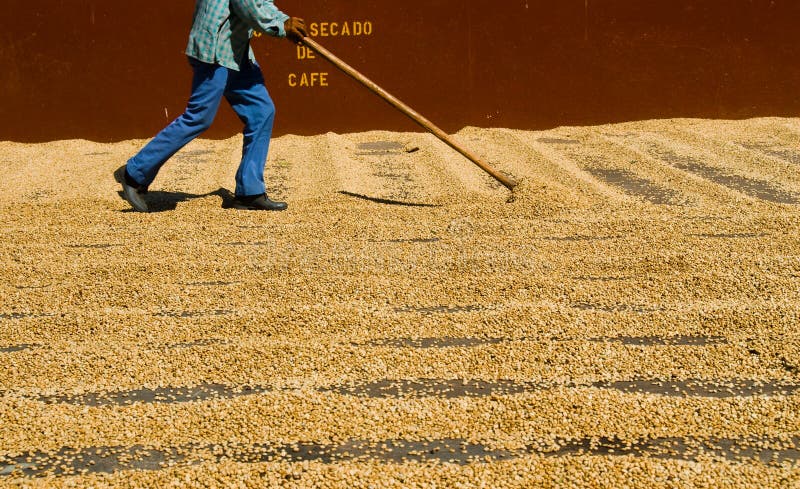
[[378, 200], [160, 201]]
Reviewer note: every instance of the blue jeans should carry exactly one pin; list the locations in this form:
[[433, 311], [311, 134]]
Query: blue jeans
[[247, 95]]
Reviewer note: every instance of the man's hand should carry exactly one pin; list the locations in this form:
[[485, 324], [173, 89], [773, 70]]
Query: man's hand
[[295, 29]]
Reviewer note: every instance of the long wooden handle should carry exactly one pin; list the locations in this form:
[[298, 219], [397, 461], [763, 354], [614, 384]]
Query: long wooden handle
[[411, 113]]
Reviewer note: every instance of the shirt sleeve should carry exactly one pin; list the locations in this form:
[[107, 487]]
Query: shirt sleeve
[[261, 15]]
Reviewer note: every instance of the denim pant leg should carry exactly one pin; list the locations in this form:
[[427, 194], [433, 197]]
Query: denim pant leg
[[208, 87], [250, 100]]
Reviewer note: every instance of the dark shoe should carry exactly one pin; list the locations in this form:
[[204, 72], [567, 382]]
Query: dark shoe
[[258, 203], [132, 191]]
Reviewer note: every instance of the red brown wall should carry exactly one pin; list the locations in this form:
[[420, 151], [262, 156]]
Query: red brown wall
[[111, 69]]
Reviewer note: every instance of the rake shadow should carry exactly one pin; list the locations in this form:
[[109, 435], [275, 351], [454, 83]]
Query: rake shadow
[[378, 200]]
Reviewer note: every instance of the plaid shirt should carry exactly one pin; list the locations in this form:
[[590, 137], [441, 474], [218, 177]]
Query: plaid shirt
[[222, 29]]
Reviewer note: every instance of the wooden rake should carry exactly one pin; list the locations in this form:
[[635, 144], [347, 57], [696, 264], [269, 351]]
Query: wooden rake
[[411, 113]]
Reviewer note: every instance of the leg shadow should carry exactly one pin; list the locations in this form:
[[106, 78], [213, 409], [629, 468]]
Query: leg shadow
[[160, 201]]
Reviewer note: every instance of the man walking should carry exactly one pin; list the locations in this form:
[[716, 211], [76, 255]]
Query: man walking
[[224, 65]]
